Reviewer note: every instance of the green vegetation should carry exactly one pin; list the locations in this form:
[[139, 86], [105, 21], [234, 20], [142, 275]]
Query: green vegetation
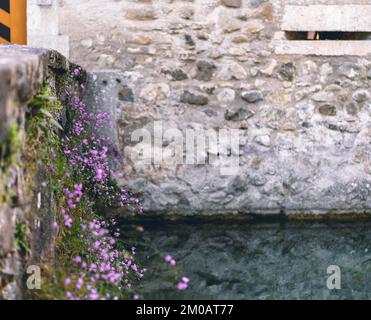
[[21, 238], [75, 235], [8, 156], [9, 147]]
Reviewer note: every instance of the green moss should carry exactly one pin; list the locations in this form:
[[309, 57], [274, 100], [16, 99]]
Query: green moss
[[62, 82], [21, 237], [6, 197], [8, 156], [44, 110], [63, 79], [41, 138], [43, 150], [10, 147]]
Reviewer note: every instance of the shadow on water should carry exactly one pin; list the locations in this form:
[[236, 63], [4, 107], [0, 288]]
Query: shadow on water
[[244, 260]]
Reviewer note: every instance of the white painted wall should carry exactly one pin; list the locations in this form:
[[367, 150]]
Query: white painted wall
[[43, 26]]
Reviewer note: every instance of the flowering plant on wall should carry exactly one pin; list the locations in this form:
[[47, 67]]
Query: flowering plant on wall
[[92, 260], [87, 153]]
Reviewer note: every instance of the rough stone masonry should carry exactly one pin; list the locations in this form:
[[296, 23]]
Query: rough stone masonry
[[27, 208], [305, 118]]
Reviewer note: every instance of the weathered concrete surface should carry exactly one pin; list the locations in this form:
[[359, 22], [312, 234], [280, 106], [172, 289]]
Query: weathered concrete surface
[[104, 92], [234, 260], [43, 19], [26, 209], [327, 18], [21, 75], [323, 48], [23, 71]]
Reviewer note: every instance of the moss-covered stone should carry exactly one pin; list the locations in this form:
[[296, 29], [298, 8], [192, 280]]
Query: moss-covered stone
[[9, 147], [34, 84]]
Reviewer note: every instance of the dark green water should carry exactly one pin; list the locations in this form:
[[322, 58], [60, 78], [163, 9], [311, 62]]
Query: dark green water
[[234, 260]]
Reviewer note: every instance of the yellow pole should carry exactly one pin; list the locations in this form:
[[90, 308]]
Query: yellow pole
[[13, 21]]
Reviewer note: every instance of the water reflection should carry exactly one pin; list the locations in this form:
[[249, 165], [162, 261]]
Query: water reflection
[[234, 260]]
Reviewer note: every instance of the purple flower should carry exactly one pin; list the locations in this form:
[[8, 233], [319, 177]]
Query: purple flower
[[87, 161], [185, 279], [67, 221], [70, 204], [94, 295], [99, 175], [183, 283], [182, 286], [79, 283], [77, 260], [67, 281]]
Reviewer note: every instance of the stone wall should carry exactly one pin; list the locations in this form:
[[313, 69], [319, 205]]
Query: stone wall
[[305, 119], [27, 208]]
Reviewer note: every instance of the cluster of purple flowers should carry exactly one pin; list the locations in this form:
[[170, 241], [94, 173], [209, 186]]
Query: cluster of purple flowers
[[103, 270], [74, 197], [169, 259], [87, 153], [183, 283]]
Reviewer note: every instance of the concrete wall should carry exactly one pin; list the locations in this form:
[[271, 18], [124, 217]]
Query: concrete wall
[[27, 209], [43, 19], [305, 119]]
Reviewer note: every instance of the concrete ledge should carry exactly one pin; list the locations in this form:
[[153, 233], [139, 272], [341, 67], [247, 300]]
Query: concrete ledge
[[22, 72], [345, 18], [59, 43], [323, 48]]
